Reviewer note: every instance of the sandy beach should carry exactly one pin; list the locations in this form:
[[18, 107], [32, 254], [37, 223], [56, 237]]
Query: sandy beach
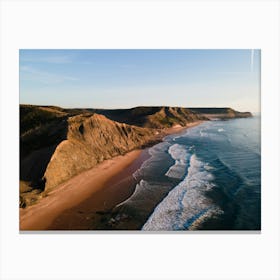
[[75, 204], [71, 193]]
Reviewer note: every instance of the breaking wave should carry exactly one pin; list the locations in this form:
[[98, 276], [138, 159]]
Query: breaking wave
[[186, 206], [207, 177], [181, 156]]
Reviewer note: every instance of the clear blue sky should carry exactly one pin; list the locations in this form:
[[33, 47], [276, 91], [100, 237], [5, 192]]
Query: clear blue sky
[[128, 78]]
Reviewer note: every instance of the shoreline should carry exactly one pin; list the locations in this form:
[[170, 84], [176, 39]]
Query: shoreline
[[115, 190], [73, 192], [76, 204]]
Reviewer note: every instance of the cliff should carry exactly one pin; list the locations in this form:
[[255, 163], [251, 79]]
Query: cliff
[[92, 138], [55, 144], [221, 113], [153, 117]]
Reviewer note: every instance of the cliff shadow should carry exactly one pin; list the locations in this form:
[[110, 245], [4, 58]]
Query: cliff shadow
[[36, 149]]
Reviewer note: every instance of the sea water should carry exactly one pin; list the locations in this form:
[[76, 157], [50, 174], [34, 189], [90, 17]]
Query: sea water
[[211, 174]]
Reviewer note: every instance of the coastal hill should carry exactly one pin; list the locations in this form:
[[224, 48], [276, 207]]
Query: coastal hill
[[56, 143], [91, 139], [221, 113], [153, 117]]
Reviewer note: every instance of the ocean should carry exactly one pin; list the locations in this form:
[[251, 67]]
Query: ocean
[[205, 178]]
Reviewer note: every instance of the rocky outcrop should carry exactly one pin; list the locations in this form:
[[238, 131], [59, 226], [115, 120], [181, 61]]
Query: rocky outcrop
[[171, 116], [91, 139]]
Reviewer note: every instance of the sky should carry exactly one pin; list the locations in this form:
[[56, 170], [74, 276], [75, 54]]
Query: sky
[[129, 78]]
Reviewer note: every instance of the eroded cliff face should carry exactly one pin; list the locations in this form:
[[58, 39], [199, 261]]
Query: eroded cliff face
[[92, 138], [171, 116]]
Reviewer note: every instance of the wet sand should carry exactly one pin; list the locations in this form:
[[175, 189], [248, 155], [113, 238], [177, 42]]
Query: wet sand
[[78, 204]]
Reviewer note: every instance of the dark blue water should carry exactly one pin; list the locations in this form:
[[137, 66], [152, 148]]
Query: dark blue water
[[216, 173], [208, 177]]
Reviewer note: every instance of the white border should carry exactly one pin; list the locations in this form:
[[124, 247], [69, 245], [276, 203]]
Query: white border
[[155, 24]]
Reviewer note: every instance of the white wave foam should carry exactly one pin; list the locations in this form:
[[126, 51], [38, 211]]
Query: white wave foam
[[202, 133], [186, 204], [181, 156], [221, 130], [145, 195], [142, 185]]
